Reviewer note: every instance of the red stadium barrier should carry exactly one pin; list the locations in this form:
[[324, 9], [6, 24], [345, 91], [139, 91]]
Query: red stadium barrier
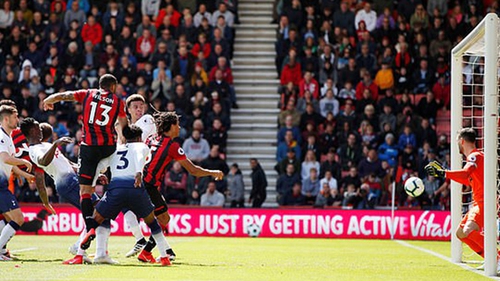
[[305, 223]]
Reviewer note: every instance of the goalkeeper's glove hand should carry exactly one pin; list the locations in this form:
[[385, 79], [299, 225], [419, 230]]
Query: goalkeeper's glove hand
[[435, 169]]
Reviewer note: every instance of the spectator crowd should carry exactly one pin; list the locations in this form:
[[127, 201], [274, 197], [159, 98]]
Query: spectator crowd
[[364, 85], [176, 54]]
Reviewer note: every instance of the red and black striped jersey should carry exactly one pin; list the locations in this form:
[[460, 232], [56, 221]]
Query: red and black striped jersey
[[21, 144], [101, 109], [22, 149], [163, 150]]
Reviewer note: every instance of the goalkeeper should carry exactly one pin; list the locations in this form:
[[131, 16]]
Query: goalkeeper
[[470, 229]]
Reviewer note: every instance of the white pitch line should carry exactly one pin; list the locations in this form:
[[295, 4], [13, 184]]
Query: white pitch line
[[23, 250], [443, 257]]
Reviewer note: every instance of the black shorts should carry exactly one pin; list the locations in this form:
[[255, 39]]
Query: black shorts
[[89, 158], [157, 199]]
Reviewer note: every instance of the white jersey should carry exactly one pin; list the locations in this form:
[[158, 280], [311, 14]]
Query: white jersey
[[148, 126], [6, 145], [60, 169], [128, 160]]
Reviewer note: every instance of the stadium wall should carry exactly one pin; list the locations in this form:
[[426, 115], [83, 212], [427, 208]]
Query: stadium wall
[[303, 223]]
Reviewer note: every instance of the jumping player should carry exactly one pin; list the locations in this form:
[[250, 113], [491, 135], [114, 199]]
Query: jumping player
[[126, 189], [163, 150], [49, 158], [101, 109], [8, 202], [470, 229], [137, 108]]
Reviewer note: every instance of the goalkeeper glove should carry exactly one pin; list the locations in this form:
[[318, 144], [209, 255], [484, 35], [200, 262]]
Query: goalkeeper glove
[[435, 169]]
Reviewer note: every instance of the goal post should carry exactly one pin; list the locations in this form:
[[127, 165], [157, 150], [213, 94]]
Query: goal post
[[482, 94]]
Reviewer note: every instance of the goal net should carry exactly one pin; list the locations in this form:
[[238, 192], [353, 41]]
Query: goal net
[[474, 103]]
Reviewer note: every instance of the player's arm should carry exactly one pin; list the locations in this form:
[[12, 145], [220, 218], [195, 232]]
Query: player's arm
[[10, 160], [18, 172], [42, 191], [461, 176], [48, 103], [435, 169], [198, 171], [122, 123], [47, 158]]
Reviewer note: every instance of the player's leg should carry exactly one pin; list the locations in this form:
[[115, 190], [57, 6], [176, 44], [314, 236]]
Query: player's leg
[[469, 231], [88, 163], [157, 235], [3, 250], [142, 206], [70, 192], [162, 216], [103, 232], [13, 215], [133, 223]]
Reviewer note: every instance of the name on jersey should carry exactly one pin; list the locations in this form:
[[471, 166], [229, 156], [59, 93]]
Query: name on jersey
[[104, 99]]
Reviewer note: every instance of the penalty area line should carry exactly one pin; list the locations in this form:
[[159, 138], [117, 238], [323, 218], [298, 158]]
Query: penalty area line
[[443, 257], [24, 250]]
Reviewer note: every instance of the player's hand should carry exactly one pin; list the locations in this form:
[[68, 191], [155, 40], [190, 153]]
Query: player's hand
[[48, 106], [103, 179], [29, 166], [435, 169], [218, 175], [50, 209], [138, 180], [30, 178], [63, 141]]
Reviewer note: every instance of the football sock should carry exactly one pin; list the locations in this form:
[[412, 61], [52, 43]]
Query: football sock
[[7, 232], [80, 252], [478, 238], [473, 245], [159, 238], [150, 245], [133, 223], [87, 211], [102, 235]]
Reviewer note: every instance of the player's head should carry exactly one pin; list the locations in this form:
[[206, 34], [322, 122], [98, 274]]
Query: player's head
[[132, 133], [31, 129], [108, 82], [8, 102], [46, 131], [466, 137], [8, 117], [167, 122], [136, 106]]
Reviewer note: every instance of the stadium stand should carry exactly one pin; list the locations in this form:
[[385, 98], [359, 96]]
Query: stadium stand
[[179, 56]]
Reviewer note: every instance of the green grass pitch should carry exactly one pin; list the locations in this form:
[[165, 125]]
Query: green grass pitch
[[205, 258]]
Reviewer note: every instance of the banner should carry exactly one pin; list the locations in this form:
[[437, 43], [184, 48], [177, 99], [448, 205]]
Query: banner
[[306, 223]]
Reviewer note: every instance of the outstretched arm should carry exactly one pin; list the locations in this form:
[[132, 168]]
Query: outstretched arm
[[48, 103], [198, 171], [49, 155], [461, 176]]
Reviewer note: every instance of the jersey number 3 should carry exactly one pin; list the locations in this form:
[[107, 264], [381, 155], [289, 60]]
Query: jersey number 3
[[105, 114], [122, 154]]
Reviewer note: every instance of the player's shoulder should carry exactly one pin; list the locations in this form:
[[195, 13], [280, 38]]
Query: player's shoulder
[[147, 119], [176, 148], [5, 139], [474, 156]]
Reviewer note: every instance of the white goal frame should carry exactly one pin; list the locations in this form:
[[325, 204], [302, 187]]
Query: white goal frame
[[487, 31]]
